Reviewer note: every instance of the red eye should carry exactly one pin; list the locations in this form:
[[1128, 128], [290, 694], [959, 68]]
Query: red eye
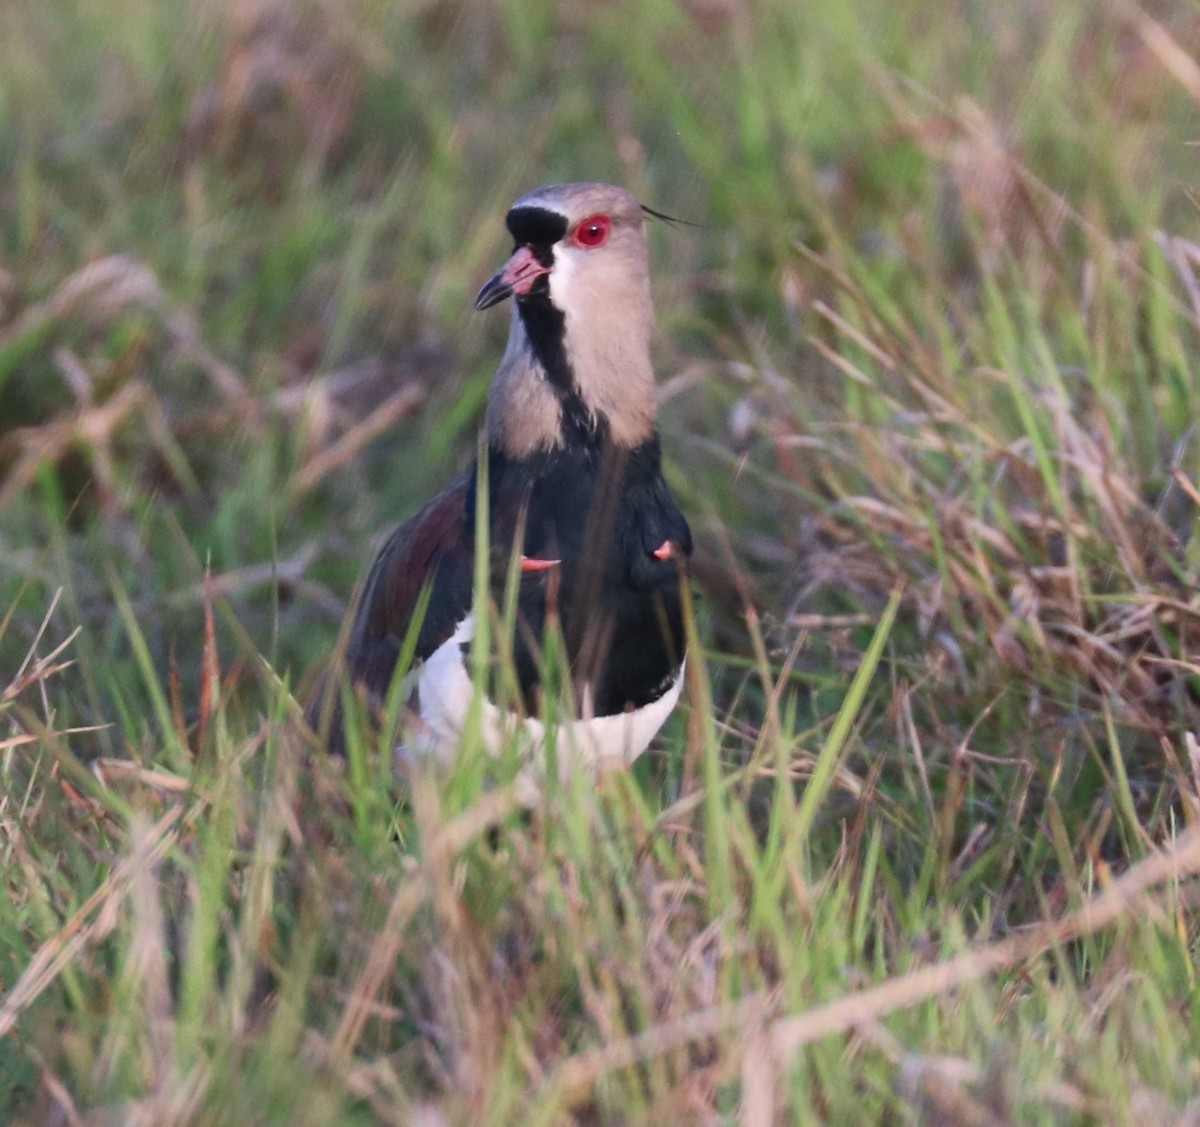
[[592, 232]]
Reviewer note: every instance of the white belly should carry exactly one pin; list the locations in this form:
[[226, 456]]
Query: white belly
[[446, 695]]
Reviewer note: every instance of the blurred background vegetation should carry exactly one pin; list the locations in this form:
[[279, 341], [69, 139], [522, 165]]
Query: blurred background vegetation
[[932, 333]]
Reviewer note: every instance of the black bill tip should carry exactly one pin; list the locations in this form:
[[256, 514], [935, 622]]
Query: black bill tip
[[493, 292]]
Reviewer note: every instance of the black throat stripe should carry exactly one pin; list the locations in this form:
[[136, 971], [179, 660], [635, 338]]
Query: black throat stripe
[[545, 324]]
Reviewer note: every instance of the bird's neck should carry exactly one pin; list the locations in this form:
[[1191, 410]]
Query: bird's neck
[[562, 383]]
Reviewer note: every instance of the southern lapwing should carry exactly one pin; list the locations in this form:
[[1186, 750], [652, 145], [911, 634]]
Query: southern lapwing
[[575, 495]]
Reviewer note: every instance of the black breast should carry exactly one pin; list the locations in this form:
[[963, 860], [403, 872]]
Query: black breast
[[603, 511]]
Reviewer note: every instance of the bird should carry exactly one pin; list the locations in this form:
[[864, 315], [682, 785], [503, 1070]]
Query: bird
[[571, 474]]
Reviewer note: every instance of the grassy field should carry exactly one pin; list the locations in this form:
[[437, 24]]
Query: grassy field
[[920, 847]]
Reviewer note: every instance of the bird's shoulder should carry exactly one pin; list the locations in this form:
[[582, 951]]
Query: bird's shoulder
[[434, 546]]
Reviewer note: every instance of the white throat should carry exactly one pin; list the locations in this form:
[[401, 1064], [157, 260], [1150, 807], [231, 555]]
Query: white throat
[[524, 414], [606, 339]]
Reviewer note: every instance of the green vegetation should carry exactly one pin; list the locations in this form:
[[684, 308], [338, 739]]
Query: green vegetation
[[916, 850]]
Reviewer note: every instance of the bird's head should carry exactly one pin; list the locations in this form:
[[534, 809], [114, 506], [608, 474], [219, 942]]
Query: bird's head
[[575, 243], [579, 351]]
